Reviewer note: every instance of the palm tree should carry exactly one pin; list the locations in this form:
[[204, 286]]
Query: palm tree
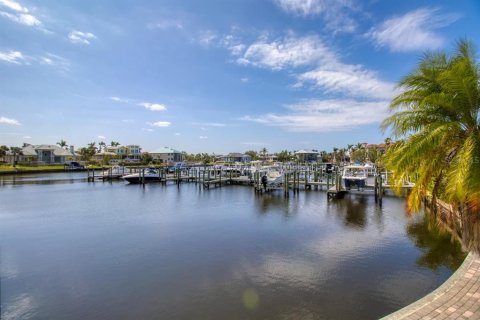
[[437, 115], [62, 143], [114, 143], [101, 146], [3, 151], [16, 151], [264, 153]]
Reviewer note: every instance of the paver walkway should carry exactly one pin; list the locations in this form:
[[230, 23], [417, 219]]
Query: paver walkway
[[457, 298]]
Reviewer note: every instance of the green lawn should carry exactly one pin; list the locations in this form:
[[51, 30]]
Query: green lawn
[[7, 168]]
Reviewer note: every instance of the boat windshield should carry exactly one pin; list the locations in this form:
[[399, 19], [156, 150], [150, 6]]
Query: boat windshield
[[354, 172]]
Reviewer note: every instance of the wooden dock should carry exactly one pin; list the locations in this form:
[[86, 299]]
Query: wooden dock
[[309, 178]]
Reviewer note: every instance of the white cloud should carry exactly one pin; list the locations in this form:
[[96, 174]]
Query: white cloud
[[244, 79], [49, 59], [81, 37], [148, 129], [330, 73], [153, 106], [288, 52], [27, 137], [160, 124], [12, 5], [12, 57], [177, 134], [122, 100], [207, 37], [233, 44], [209, 124], [325, 115], [203, 137], [101, 137], [20, 14], [335, 13], [352, 80], [412, 31], [22, 18], [9, 121], [166, 24], [54, 60]]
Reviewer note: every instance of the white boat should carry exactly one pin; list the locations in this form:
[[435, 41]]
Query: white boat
[[147, 175], [115, 172], [274, 177], [354, 176]]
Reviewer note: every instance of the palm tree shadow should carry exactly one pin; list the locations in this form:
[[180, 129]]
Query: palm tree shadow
[[438, 246]]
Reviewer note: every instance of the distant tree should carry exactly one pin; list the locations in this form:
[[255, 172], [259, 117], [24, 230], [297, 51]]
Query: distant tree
[[16, 151], [334, 154], [62, 143], [87, 153], [252, 154], [3, 151], [114, 143], [264, 152], [324, 156], [374, 154], [283, 156], [101, 146], [357, 155], [147, 158], [188, 156]]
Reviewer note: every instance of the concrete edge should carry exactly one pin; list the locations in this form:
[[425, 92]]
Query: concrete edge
[[434, 295]]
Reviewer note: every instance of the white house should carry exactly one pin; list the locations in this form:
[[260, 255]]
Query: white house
[[236, 157], [40, 154], [130, 153], [307, 155], [166, 155]]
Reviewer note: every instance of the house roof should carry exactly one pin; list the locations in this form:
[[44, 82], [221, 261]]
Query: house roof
[[31, 150], [164, 150], [306, 152], [237, 155], [105, 153]]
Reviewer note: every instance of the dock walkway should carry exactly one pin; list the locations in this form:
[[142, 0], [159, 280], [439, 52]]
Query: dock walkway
[[457, 298]]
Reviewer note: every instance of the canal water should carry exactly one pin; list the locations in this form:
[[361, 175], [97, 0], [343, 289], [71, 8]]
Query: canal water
[[77, 250]]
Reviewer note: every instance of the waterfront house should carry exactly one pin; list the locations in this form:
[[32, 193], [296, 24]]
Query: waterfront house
[[307, 155], [40, 155], [129, 153], [166, 155], [236, 157]]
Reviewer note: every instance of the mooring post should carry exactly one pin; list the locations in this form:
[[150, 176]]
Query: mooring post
[[375, 188], [380, 191]]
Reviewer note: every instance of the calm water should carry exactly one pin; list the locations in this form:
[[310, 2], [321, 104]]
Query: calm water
[[77, 250]]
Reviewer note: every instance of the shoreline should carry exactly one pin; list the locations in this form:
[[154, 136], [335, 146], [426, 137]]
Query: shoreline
[[458, 296]]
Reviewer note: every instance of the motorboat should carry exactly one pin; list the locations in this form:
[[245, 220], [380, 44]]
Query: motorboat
[[145, 175], [115, 172], [274, 177], [354, 176]]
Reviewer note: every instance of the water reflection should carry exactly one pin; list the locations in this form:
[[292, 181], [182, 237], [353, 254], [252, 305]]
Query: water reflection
[[276, 203], [42, 179], [438, 247], [114, 251], [352, 210]]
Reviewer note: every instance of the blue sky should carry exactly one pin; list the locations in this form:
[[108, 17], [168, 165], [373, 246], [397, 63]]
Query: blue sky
[[211, 75]]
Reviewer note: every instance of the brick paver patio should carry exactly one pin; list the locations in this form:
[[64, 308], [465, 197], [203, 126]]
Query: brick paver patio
[[457, 298]]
